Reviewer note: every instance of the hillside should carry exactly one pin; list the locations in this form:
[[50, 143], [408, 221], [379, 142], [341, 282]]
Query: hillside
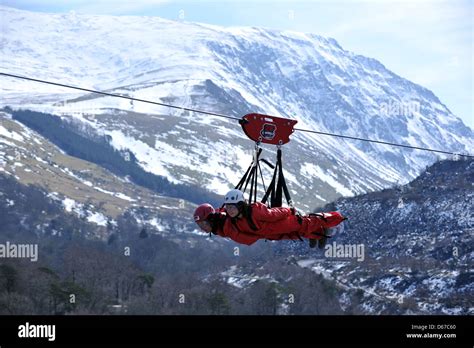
[[416, 241], [232, 71]]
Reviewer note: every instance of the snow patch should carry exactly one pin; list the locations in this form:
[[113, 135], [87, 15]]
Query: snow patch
[[313, 171], [97, 218], [157, 223], [10, 134]]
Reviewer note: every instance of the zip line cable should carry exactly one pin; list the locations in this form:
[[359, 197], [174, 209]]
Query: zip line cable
[[227, 116], [118, 96], [381, 142]]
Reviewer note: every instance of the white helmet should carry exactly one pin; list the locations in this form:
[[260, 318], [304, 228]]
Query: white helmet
[[234, 196]]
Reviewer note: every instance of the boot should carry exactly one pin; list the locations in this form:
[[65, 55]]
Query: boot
[[324, 238]]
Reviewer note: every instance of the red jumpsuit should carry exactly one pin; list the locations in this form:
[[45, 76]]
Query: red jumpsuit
[[277, 224]]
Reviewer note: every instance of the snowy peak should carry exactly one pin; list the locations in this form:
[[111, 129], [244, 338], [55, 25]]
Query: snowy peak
[[233, 71]]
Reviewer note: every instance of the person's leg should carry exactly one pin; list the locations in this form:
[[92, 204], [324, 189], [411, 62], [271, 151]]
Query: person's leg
[[315, 226], [331, 219]]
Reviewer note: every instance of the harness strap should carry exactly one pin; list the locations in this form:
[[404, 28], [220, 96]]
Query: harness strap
[[249, 221]]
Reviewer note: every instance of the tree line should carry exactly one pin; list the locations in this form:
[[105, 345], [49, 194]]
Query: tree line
[[79, 272], [97, 149]]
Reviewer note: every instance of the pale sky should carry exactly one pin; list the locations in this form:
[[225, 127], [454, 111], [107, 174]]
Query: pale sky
[[429, 42]]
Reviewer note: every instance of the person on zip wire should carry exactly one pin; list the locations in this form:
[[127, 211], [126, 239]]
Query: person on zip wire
[[246, 223]]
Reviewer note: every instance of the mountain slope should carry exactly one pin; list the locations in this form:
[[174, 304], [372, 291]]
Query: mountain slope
[[233, 71], [416, 242], [137, 270], [83, 188], [406, 267]]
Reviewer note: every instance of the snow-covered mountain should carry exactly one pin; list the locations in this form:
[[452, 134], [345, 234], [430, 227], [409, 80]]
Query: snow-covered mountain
[[416, 256], [232, 71], [82, 188], [413, 244]]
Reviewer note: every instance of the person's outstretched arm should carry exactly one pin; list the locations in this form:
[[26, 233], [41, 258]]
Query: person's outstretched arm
[[231, 232]]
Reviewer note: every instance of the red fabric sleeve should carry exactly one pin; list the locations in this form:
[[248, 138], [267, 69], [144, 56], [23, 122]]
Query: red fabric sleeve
[[240, 237], [243, 238], [260, 212]]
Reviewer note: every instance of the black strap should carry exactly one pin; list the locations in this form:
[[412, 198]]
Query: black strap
[[283, 181], [267, 163], [250, 220], [261, 176], [216, 222], [270, 190], [255, 182], [319, 215], [245, 179], [232, 220], [277, 186], [298, 215], [250, 177]]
